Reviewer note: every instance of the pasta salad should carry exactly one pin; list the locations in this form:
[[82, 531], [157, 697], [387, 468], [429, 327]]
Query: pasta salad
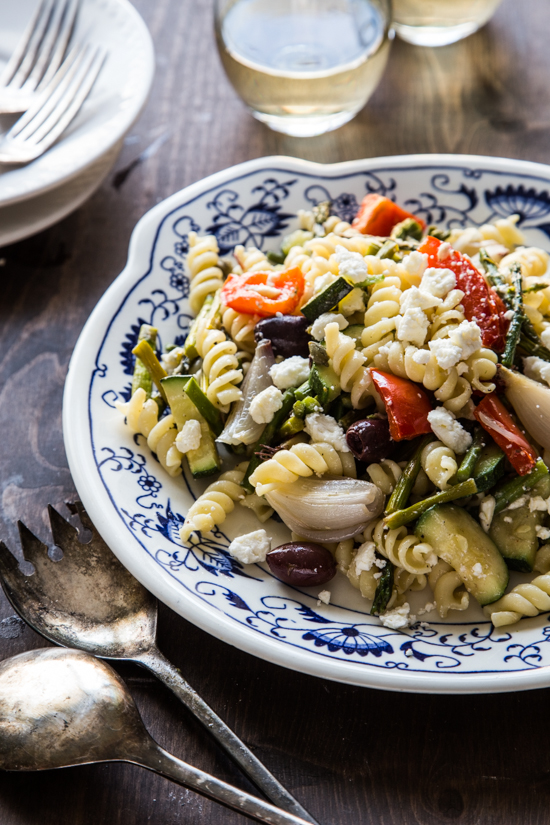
[[383, 387]]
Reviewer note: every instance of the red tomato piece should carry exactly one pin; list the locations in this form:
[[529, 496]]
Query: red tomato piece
[[378, 215], [495, 418], [264, 293], [407, 405], [481, 303]]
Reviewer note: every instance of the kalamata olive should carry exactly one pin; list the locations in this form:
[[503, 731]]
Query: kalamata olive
[[303, 564], [369, 439], [287, 334]]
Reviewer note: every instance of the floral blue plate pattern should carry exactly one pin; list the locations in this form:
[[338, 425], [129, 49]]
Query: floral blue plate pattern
[[138, 508]]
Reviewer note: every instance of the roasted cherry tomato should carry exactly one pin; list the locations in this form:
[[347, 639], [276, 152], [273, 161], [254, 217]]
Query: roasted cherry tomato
[[481, 303], [407, 405], [378, 215], [264, 293], [497, 421]]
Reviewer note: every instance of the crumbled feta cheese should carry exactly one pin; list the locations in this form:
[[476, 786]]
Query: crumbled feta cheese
[[250, 548], [318, 328], [353, 302], [324, 597], [409, 652], [172, 359], [415, 263], [537, 369], [509, 314], [189, 437], [377, 576], [444, 251], [264, 405], [450, 431], [486, 512], [325, 429], [351, 265], [413, 298], [365, 557], [508, 519], [397, 618], [545, 336], [428, 607], [421, 356], [380, 563], [542, 532], [477, 570], [461, 343], [291, 372], [438, 281], [322, 281], [538, 503], [413, 327]]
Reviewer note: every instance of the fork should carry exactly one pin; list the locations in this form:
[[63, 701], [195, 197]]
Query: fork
[[38, 54], [54, 109]]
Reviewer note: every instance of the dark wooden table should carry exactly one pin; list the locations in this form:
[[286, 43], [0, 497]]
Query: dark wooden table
[[351, 755]]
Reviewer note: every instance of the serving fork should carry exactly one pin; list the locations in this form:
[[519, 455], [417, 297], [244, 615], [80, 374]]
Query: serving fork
[[56, 106], [88, 600], [38, 55]]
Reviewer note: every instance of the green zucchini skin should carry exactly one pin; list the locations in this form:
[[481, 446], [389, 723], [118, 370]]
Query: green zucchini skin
[[489, 467], [327, 299], [515, 531], [459, 540], [325, 384], [204, 461]]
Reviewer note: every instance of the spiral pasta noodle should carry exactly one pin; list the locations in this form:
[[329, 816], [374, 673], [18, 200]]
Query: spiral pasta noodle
[[251, 259], [212, 507], [141, 412], [203, 266], [240, 327], [446, 583], [439, 463], [348, 364], [258, 505], [142, 417], [220, 367], [381, 316], [301, 460], [528, 599], [404, 550], [385, 475]]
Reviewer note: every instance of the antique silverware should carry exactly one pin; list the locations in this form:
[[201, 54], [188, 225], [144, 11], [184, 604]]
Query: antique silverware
[[38, 55], [54, 108], [60, 708], [88, 600]]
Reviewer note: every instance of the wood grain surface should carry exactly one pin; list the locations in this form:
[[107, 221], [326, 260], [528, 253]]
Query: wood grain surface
[[351, 755]]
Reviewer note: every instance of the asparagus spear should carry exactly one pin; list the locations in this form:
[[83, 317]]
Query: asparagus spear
[[383, 590], [401, 517], [469, 461], [269, 433], [400, 495], [142, 377], [514, 330], [514, 489], [147, 355]]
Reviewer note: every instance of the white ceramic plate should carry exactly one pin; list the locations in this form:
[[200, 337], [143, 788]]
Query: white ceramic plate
[[114, 104], [138, 508]]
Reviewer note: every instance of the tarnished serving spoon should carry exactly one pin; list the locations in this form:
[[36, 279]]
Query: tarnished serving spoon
[[61, 708], [88, 600]]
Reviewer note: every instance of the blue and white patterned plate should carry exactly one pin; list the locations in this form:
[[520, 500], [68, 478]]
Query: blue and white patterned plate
[[138, 508]]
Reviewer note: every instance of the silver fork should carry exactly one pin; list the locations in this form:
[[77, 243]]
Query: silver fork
[[38, 54], [55, 108]]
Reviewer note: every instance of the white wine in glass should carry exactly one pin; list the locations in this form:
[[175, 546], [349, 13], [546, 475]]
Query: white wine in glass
[[439, 22], [304, 66]]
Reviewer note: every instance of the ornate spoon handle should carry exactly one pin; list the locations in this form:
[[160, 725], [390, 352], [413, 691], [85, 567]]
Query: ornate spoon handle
[[158, 664]]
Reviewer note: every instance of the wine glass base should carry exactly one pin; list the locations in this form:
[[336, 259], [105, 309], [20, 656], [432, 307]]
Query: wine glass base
[[307, 126], [435, 35]]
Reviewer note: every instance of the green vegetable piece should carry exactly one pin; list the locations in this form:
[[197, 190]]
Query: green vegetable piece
[[515, 531], [307, 406], [142, 377], [489, 467], [268, 436], [326, 300], [297, 238], [384, 589], [147, 355], [354, 331], [535, 288], [514, 489], [514, 330], [292, 426], [190, 346], [204, 461], [321, 212], [275, 257], [457, 538], [530, 347], [401, 517], [203, 404], [303, 390], [325, 384], [389, 249], [436, 232], [400, 495], [318, 353], [409, 228], [466, 469]]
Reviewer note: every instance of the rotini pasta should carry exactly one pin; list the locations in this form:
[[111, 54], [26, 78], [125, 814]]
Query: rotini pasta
[[240, 328], [348, 364], [220, 366], [301, 460], [404, 550], [447, 587], [439, 463], [212, 507], [251, 259], [385, 475], [523, 600], [203, 266]]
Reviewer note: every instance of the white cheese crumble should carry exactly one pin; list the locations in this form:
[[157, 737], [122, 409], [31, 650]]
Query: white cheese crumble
[[409, 652], [509, 314], [415, 263], [519, 502], [477, 570], [324, 429], [250, 548], [291, 372], [542, 532], [508, 519], [421, 356], [538, 503], [437, 281], [172, 359], [397, 618], [461, 343], [537, 369], [322, 281], [413, 298], [365, 557], [450, 431], [351, 265], [444, 251], [318, 328], [264, 405], [486, 512], [353, 302], [545, 336], [189, 437], [428, 607], [323, 597], [413, 327]]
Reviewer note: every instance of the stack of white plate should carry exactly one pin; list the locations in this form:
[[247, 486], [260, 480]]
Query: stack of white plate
[[35, 196]]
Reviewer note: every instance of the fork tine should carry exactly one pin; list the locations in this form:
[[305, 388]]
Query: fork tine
[[54, 46], [28, 60], [33, 548], [64, 534], [8, 562], [22, 47]]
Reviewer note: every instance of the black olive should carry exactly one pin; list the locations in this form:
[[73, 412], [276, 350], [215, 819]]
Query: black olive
[[369, 440], [287, 334], [303, 564]]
